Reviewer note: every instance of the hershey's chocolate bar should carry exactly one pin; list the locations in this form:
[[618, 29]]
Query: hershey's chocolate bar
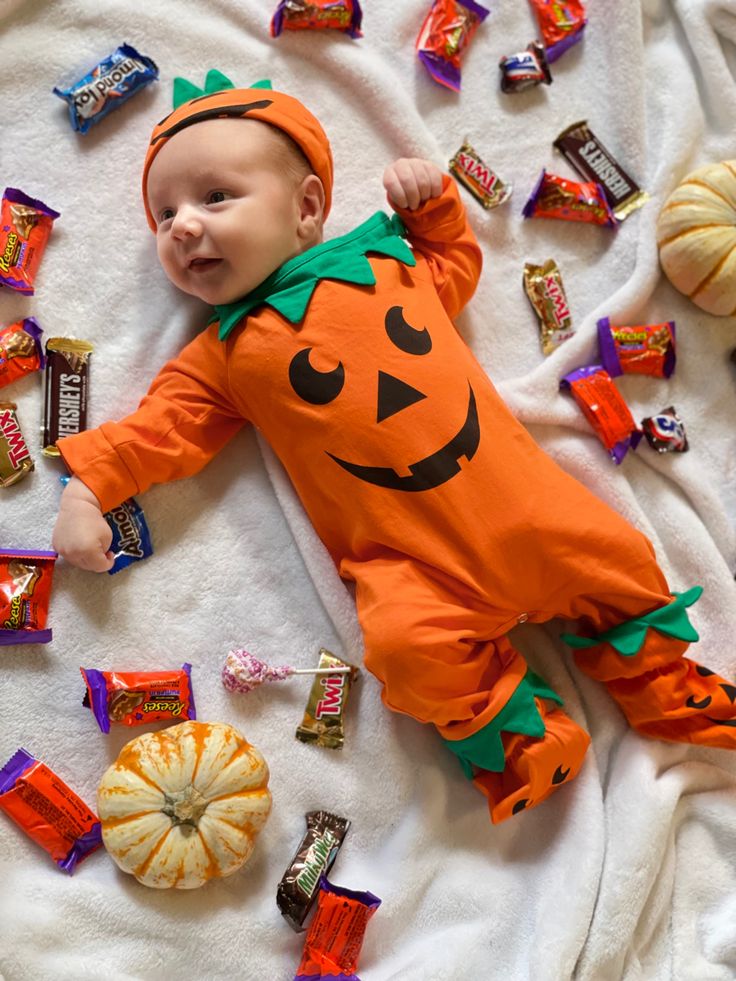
[[67, 383], [593, 161]]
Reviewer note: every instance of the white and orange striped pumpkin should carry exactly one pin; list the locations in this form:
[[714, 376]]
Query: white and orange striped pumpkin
[[185, 805], [696, 236]]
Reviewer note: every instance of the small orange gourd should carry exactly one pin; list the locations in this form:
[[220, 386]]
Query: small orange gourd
[[185, 805]]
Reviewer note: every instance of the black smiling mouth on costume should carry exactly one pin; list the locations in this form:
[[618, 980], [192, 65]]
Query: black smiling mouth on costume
[[432, 470]]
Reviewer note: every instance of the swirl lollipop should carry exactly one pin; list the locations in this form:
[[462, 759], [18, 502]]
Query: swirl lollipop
[[243, 671]]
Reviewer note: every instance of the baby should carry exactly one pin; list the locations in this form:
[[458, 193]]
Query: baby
[[429, 496]]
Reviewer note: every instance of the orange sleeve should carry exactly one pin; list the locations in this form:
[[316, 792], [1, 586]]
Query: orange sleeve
[[184, 420], [439, 231]]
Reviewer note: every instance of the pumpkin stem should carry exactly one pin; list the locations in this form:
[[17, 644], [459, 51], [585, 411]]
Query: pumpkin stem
[[185, 806]]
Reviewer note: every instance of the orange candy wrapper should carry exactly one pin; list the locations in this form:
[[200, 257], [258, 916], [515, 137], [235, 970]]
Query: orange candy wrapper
[[25, 589], [25, 226], [605, 409], [48, 811], [335, 936], [21, 350], [316, 15], [135, 698]]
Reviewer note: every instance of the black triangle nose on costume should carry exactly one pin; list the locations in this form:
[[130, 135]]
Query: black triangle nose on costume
[[394, 395]]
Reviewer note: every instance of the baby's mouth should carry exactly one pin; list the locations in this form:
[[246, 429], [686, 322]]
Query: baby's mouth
[[203, 263]]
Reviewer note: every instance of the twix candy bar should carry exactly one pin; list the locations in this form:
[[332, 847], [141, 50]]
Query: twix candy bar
[[15, 458], [478, 177], [323, 722], [67, 383], [543, 285]]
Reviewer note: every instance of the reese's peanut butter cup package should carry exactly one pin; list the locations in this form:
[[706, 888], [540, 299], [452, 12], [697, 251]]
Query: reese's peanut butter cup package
[[49, 811], [25, 226], [323, 722], [135, 698], [21, 350], [446, 32], [317, 15], [25, 590], [605, 409]]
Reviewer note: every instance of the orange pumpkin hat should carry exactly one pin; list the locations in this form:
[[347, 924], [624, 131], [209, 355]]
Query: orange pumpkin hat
[[220, 100]]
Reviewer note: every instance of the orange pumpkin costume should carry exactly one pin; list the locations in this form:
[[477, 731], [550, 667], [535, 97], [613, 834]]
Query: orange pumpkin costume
[[426, 491]]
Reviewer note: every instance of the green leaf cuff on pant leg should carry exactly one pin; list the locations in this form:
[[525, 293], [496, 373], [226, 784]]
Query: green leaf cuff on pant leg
[[484, 748], [627, 638]]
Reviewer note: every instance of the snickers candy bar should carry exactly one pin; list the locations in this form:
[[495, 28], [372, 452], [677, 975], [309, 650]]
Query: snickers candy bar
[[592, 160], [67, 381]]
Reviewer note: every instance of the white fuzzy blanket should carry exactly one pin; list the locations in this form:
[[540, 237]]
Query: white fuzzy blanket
[[629, 871]]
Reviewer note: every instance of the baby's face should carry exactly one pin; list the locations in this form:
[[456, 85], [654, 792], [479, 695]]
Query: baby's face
[[226, 215]]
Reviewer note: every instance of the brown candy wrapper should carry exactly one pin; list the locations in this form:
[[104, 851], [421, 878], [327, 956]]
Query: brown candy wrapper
[[314, 857], [323, 719], [592, 160], [15, 459], [543, 285], [478, 177], [67, 384]]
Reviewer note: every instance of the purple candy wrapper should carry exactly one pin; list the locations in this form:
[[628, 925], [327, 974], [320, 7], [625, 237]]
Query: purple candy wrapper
[[106, 696], [441, 57], [610, 357], [605, 409]]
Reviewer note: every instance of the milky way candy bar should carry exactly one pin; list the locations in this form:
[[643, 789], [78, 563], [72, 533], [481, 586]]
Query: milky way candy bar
[[592, 160], [67, 381]]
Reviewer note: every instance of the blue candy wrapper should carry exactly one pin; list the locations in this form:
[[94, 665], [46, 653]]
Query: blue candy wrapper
[[131, 539], [108, 85]]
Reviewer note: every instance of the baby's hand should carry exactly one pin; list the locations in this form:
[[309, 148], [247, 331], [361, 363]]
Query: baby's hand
[[411, 181], [81, 535]]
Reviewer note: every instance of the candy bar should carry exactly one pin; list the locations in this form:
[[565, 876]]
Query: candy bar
[[49, 812], [136, 698], [107, 86], [561, 24], [557, 197], [543, 285], [25, 226], [338, 15], [525, 69], [21, 350], [25, 589], [592, 160], [665, 432], [603, 406], [647, 349], [478, 177], [323, 722], [15, 457], [131, 539], [314, 857], [446, 32], [335, 936], [67, 383]]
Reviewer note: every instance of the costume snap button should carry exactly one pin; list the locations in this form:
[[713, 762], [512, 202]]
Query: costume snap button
[[523, 617]]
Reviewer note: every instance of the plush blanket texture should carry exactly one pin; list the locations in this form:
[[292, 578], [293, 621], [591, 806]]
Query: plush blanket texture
[[628, 872]]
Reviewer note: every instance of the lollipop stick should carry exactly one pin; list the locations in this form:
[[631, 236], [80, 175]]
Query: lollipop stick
[[321, 670]]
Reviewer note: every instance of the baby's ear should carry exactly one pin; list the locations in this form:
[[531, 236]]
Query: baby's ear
[[311, 197]]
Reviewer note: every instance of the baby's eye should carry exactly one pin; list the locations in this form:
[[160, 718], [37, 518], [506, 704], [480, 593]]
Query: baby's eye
[[215, 197], [165, 215]]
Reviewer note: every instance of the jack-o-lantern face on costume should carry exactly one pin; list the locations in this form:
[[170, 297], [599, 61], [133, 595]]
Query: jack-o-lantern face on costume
[[393, 395]]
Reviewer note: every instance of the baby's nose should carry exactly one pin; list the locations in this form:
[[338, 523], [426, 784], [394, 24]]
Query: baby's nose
[[186, 222]]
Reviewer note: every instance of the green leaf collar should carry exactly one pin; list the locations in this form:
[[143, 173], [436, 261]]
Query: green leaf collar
[[289, 289]]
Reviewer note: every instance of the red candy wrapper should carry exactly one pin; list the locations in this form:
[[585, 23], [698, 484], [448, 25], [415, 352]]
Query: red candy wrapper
[[48, 811], [25, 589], [604, 408], [136, 698], [525, 69], [333, 943], [25, 226], [561, 23], [298, 15], [21, 350], [557, 197], [447, 30], [648, 349]]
